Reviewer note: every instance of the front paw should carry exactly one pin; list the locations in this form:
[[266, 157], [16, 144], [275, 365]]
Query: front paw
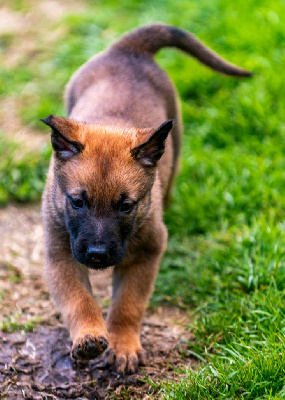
[[125, 353], [88, 347]]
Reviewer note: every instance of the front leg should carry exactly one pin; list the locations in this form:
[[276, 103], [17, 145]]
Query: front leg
[[133, 282], [70, 288]]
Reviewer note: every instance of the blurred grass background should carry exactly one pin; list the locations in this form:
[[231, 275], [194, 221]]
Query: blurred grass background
[[225, 259]]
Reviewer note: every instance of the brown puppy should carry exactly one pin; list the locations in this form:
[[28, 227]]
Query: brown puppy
[[109, 177]]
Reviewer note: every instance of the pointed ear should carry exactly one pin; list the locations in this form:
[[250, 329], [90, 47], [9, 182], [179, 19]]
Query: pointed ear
[[62, 137], [150, 152]]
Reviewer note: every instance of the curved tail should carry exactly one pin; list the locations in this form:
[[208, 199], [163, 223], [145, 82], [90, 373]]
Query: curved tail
[[151, 38]]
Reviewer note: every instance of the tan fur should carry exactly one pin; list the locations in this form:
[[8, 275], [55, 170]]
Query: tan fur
[[115, 102]]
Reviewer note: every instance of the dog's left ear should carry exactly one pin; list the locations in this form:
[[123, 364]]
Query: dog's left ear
[[64, 138], [149, 152]]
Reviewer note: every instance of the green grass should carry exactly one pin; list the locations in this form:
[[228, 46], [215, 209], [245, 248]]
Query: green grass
[[22, 177], [235, 286], [12, 324], [225, 259]]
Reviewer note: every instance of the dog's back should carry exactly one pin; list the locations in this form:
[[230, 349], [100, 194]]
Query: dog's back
[[124, 87], [128, 72]]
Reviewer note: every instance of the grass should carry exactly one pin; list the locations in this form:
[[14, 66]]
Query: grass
[[236, 291], [22, 177], [225, 259], [12, 324]]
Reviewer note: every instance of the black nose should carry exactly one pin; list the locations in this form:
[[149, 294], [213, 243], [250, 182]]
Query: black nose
[[97, 254]]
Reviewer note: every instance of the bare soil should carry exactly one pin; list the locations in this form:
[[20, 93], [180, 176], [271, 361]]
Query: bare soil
[[35, 360], [31, 31]]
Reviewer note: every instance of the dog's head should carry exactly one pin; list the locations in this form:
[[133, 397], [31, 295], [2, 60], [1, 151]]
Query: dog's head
[[105, 178]]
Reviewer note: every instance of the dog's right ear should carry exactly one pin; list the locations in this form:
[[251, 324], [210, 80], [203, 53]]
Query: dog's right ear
[[62, 137]]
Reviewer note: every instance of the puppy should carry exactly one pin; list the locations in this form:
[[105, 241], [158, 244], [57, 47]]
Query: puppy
[[110, 175]]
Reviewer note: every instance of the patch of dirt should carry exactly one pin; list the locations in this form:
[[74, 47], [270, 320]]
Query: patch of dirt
[[13, 128], [33, 29], [31, 32], [37, 364]]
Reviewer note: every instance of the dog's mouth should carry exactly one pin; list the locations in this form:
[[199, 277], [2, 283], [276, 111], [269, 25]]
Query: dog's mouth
[[96, 260], [98, 266]]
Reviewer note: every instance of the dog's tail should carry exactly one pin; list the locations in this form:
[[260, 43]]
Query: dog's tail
[[151, 38]]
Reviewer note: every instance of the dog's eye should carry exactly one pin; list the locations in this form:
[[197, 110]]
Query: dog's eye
[[126, 207], [76, 203]]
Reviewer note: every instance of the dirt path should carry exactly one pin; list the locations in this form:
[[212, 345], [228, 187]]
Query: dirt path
[[36, 364]]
